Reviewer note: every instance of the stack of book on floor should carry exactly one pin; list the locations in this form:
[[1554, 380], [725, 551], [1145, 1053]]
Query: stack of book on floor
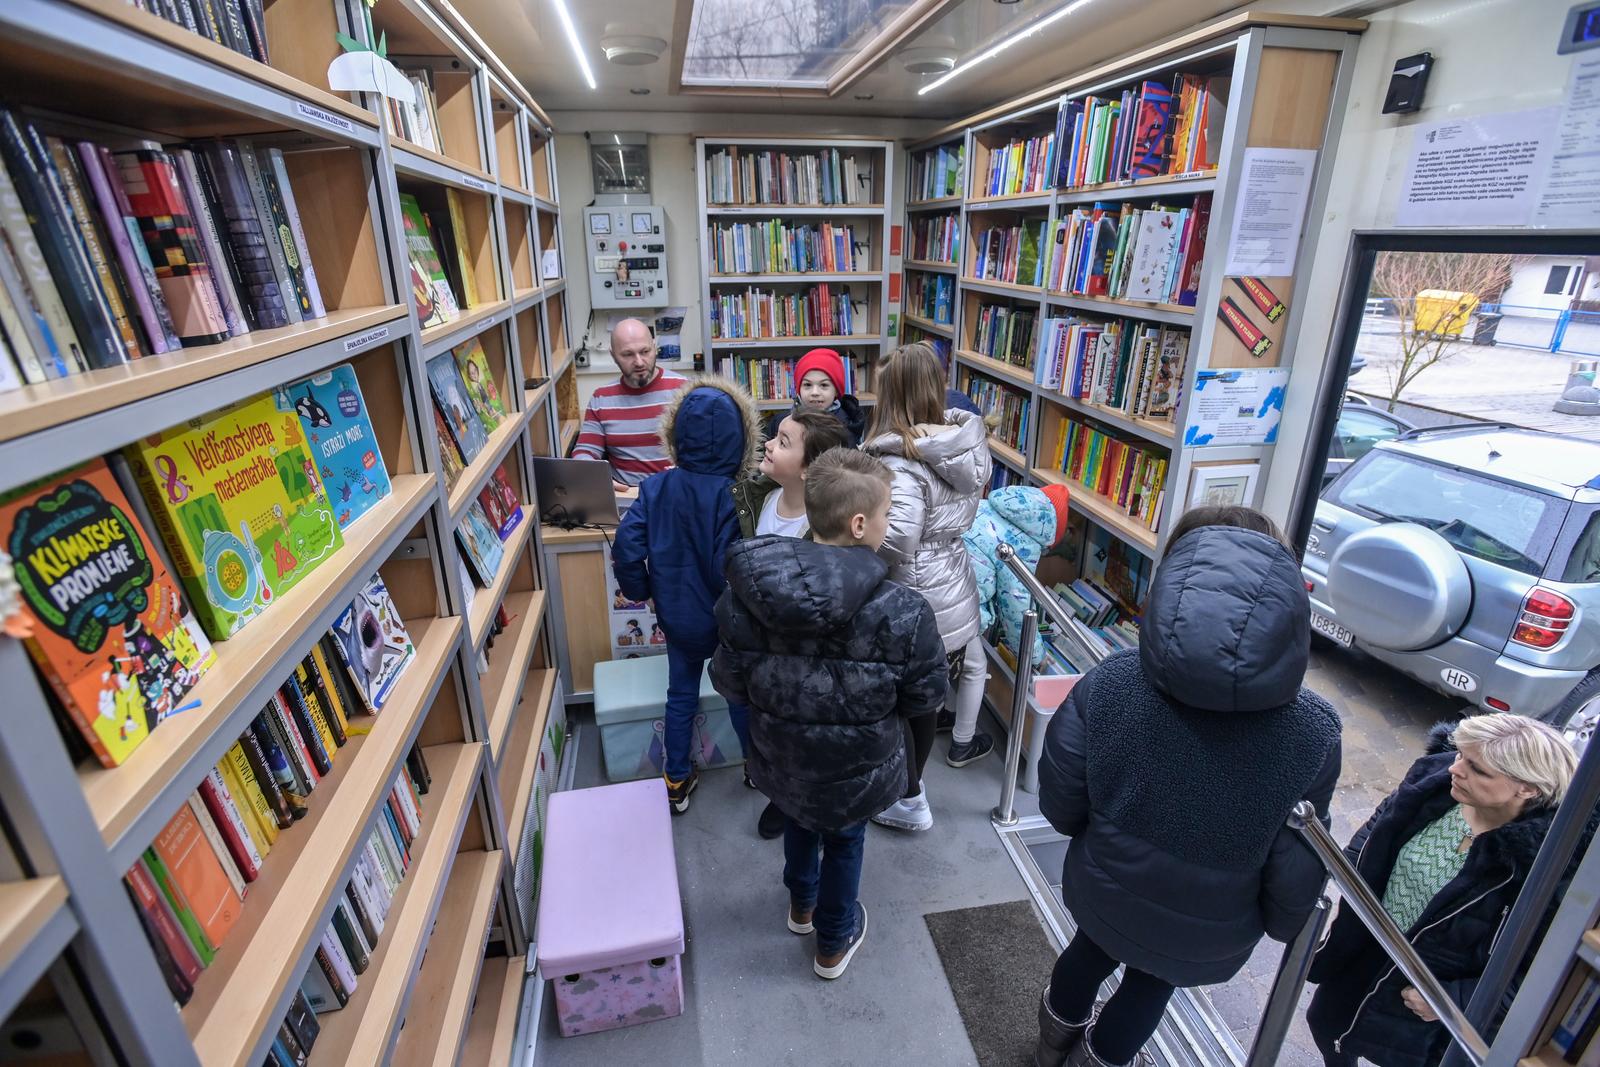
[[937, 173], [827, 176], [818, 311], [1021, 165], [1005, 333], [1010, 253], [110, 256], [935, 238], [778, 247], [1151, 253], [1131, 367]]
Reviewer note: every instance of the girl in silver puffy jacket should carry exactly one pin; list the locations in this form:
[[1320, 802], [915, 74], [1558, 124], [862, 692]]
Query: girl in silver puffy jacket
[[940, 462]]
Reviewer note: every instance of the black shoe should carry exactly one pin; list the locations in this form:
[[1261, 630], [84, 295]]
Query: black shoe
[[770, 824], [678, 792], [833, 964], [748, 784], [945, 722], [960, 755]]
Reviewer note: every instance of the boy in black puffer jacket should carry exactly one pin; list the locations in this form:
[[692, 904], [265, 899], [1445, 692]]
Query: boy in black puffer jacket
[[832, 658]]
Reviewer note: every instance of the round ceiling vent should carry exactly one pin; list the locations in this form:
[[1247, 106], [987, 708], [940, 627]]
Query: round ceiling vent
[[927, 60], [632, 51]]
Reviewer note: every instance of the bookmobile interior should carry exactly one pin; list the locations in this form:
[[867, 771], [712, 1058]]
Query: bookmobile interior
[[296, 294]]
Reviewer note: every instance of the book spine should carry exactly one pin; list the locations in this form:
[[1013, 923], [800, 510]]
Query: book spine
[[458, 228], [180, 908], [397, 836], [283, 720], [303, 1021], [253, 793], [269, 229], [374, 904], [163, 921], [234, 788], [383, 883], [350, 698], [321, 757], [265, 781], [344, 972], [109, 288], [181, 988], [230, 823], [275, 750], [282, 236], [344, 657], [319, 719], [349, 940], [318, 990], [24, 323], [141, 285], [213, 835], [330, 974], [232, 17], [362, 915], [388, 855], [255, 22], [280, 173], [142, 267], [316, 672], [201, 211], [285, 1051]]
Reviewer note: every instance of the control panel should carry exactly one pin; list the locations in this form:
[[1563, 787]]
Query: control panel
[[627, 252]]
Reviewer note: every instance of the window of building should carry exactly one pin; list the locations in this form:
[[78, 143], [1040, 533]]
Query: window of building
[[1556, 284]]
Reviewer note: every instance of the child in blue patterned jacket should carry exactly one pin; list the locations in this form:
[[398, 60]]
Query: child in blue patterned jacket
[[1031, 521]]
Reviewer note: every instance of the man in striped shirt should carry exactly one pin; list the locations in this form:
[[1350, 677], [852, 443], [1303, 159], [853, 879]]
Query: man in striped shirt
[[622, 422]]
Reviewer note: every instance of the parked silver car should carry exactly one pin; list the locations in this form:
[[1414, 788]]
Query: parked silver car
[[1468, 558]]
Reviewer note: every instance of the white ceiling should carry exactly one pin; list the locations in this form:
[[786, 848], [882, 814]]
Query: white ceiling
[[528, 36]]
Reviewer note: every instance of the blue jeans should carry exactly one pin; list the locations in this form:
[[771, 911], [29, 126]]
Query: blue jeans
[[683, 704], [829, 888]]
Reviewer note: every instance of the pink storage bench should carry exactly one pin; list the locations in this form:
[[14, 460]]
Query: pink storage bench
[[610, 932]]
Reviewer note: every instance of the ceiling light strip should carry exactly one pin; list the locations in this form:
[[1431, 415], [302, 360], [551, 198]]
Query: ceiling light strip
[[994, 50], [577, 45]]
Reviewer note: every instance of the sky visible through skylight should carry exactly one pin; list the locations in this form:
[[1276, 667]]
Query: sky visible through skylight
[[779, 42]]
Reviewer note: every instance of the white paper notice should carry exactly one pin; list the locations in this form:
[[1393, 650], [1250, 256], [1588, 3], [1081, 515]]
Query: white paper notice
[[1571, 194], [1273, 191], [1479, 171]]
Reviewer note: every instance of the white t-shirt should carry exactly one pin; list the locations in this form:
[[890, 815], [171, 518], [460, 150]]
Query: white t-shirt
[[771, 522]]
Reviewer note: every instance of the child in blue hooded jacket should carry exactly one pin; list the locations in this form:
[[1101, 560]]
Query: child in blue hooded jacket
[[1031, 521], [672, 544]]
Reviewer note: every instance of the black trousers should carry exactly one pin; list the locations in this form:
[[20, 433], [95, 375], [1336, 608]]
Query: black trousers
[[1128, 1019]]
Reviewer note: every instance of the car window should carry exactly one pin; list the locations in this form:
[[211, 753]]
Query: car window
[[1503, 524], [1583, 565], [1359, 430]]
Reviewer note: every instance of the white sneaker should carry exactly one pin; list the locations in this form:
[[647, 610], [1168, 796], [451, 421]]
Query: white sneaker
[[908, 813]]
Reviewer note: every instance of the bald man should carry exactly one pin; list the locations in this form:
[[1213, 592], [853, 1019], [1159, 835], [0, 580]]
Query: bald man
[[623, 418]]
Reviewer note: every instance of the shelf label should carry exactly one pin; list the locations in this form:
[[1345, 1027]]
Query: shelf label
[[474, 183], [324, 118], [364, 340]]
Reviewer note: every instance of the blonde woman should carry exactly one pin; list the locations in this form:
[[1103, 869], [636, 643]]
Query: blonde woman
[[1448, 852], [939, 460]]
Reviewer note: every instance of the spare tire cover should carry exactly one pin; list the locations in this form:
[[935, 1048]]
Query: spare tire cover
[[1399, 586]]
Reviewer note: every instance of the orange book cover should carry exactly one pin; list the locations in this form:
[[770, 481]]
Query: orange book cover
[[197, 874]]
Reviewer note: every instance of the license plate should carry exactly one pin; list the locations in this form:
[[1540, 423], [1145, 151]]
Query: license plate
[[1331, 630]]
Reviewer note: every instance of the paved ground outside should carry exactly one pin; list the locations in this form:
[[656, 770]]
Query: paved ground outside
[[1500, 383]]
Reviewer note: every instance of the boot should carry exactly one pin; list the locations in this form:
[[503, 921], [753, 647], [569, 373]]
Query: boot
[[1057, 1037], [1085, 1056]]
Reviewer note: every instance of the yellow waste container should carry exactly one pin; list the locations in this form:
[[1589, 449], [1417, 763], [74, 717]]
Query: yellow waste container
[[1443, 313]]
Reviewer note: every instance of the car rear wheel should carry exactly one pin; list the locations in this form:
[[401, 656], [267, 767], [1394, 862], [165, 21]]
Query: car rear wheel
[[1578, 716]]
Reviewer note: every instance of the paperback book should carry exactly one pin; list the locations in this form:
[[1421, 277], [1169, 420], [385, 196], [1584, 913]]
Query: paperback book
[[339, 432]]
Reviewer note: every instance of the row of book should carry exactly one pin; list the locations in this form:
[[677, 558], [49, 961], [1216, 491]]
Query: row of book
[[1133, 477], [111, 256], [935, 238], [779, 247], [1001, 476], [1577, 1035], [190, 884], [416, 120], [1021, 165], [932, 296], [1005, 333], [1146, 132], [773, 379], [296, 1035], [937, 173], [818, 311], [824, 177], [237, 24], [1006, 409], [1127, 366], [1010, 253], [247, 501], [443, 284], [1152, 253]]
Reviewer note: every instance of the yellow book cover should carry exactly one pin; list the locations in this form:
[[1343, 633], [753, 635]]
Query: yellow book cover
[[458, 227], [252, 792], [330, 687], [319, 718], [241, 802], [239, 502]]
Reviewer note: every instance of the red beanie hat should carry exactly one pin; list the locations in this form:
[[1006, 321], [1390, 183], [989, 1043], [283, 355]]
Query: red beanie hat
[[825, 360], [1058, 499]]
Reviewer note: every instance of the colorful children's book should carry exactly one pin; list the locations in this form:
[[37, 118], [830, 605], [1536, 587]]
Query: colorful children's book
[[436, 304], [339, 431], [111, 630], [474, 367], [500, 504], [480, 545], [450, 393], [449, 454], [240, 505], [372, 639]]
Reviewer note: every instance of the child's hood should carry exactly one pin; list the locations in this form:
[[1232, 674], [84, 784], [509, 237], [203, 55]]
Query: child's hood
[[955, 452], [711, 426], [801, 587], [1026, 508]]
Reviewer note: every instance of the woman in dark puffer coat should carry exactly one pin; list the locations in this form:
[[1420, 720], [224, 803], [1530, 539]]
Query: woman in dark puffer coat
[[1173, 771], [1447, 852]]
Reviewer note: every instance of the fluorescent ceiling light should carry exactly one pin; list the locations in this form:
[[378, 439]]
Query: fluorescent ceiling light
[[994, 50], [572, 39]]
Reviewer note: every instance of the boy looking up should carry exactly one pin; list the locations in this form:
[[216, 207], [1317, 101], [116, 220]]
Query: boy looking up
[[831, 658]]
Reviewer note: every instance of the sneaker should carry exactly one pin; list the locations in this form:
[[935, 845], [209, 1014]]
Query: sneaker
[[770, 825], [833, 964], [909, 813], [962, 754], [945, 722], [678, 792], [800, 921]]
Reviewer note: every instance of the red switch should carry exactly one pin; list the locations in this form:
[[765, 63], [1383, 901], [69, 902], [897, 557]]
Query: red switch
[[622, 246]]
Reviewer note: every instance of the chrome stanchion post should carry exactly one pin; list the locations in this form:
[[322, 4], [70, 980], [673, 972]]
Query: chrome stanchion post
[[1006, 814], [1285, 998]]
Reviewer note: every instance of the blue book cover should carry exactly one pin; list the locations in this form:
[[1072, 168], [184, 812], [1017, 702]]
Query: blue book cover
[[450, 393], [339, 433], [480, 545]]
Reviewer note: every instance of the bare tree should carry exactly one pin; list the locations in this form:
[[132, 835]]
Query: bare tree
[[1430, 338]]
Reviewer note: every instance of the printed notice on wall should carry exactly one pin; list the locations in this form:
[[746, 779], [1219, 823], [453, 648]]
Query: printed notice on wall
[[1479, 171], [1273, 191], [1571, 194], [1236, 407]]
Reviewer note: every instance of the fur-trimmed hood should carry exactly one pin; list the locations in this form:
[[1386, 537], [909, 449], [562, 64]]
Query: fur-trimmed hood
[[712, 426]]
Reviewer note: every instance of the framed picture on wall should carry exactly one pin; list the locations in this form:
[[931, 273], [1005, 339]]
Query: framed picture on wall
[[1222, 484]]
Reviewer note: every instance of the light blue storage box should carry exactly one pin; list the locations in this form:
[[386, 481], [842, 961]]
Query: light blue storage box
[[630, 696]]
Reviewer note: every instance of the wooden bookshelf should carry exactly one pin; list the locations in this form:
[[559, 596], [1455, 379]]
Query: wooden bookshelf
[[932, 265], [944, 329], [521, 753], [995, 368], [1008, 455], [509, 666], [1100, 510], [494, 1016], [27, 909]]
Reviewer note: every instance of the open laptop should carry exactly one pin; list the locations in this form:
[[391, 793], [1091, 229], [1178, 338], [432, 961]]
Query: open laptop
[[575, 492]]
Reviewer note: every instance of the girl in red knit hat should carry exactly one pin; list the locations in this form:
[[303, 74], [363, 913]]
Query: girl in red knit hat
[[819, 386]]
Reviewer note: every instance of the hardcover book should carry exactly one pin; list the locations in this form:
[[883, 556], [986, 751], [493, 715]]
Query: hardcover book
[[339, 432], [373, 641], [240, 505], [450, 393], [436, 304], [112, 633], [500, 504], [474, 368], [198, 875], [449, 454], [479, 544]]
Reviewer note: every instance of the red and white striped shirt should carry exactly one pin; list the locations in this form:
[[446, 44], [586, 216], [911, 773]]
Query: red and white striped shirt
[[622, 426]]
